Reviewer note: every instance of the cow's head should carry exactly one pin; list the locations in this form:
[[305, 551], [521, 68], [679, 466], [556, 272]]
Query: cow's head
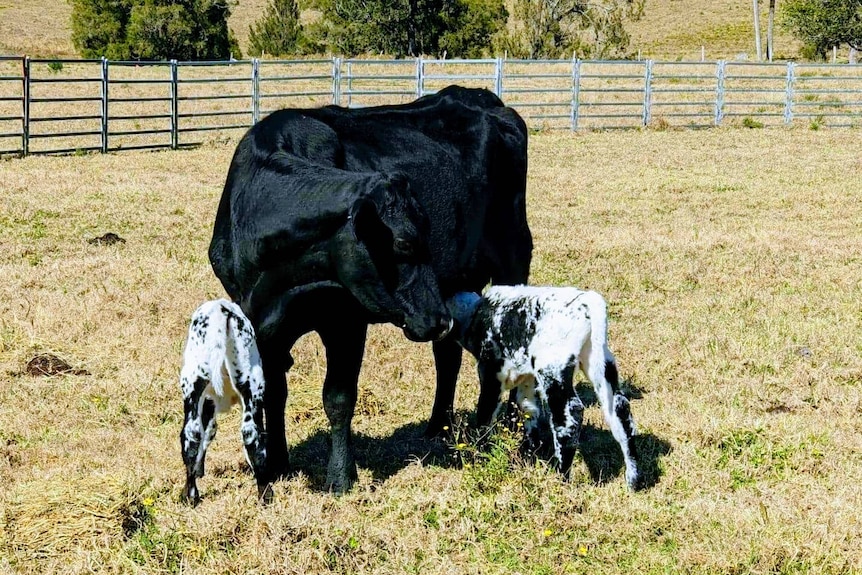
[[390, 270]]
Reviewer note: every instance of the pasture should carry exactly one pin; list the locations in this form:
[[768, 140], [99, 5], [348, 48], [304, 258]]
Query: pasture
[[731, 260]]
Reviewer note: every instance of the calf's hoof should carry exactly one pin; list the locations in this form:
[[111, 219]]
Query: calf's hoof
[[264, 493], [190, 495]]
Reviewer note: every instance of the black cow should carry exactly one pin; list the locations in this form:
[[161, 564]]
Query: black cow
[[330, 218]]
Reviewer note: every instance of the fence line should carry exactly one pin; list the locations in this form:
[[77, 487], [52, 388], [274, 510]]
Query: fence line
[[62, 106]]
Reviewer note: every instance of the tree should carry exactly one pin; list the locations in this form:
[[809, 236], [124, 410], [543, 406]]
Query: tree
[[559, 28], [153, 29], [99, 28], [471, 30], [822, 24], [407, 27], [278, 32]]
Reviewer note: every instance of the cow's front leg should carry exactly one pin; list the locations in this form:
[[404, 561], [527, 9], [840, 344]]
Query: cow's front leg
[[345, 345], [447, 357], [274, 402]]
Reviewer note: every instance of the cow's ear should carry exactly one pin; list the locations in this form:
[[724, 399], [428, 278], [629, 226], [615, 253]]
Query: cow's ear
[[370, 230]]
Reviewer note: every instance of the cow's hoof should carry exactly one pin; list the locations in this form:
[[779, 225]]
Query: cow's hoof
[[437, 428], [339, 482]]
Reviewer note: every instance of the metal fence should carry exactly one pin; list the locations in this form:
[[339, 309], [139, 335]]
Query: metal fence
[[65, 106]]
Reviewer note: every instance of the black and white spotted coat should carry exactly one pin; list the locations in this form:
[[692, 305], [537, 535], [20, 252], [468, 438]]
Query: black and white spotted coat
[[533, 339], [221, 341]]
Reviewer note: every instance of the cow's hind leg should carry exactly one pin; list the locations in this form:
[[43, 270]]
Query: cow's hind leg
[[345, 344], [566, 415], [617, 412], [447, 358]]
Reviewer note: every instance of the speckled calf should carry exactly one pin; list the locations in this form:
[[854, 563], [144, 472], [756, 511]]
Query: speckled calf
[[533, 339], [221, 340]]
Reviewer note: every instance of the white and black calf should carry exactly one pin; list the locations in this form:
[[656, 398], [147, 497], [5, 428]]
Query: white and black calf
[[533, 339], [221, 340]]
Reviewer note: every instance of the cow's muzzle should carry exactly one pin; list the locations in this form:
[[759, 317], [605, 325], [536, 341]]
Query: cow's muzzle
[[436, 333]]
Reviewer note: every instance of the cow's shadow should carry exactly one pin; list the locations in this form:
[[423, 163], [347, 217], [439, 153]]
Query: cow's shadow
[[386, 456], [383, 456]]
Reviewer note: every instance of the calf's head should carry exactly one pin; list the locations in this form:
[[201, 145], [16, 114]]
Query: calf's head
[[389, 268]]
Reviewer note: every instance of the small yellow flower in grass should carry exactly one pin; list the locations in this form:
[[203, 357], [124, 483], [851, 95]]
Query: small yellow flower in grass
[[582, 550], [148, 502], [547, 532], [461, 446]]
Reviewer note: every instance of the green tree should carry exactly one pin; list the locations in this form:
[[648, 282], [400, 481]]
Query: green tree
[[99, 28], [153, 29], [407, 27], [471, 29], [821, 24], [278, 31], [559, 28]]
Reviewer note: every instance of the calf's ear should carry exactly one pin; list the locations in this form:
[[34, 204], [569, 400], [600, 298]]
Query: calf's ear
[[369, 230]]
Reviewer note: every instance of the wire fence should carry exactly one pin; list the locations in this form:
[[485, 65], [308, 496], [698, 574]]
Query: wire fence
[[70, 106]]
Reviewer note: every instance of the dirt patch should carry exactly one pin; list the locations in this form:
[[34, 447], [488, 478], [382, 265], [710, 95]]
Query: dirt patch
[[107, 239], [45, 364]]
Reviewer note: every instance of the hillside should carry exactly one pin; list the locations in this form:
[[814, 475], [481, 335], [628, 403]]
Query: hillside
[[670, 29]]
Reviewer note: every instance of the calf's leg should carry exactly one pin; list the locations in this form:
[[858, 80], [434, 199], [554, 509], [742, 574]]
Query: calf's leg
[[616, 410], [253, 435], [198, 431], [566, 415]]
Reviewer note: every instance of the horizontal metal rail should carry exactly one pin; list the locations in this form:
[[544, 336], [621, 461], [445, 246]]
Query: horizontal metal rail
[[574, 94]]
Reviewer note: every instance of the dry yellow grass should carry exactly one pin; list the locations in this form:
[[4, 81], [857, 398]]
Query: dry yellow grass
[[676, 29], [731, 261]]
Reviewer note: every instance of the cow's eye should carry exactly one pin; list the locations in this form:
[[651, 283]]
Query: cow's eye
[[404, 248]]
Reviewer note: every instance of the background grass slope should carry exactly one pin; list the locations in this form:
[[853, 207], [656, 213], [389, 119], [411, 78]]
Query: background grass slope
[[731, 262], [671, 29]]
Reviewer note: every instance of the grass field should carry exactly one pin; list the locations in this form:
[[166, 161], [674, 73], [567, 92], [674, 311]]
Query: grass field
[[731, 262], [670, 29]]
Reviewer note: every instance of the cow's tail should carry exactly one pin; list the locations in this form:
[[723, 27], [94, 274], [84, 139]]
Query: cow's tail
[[216, 345]]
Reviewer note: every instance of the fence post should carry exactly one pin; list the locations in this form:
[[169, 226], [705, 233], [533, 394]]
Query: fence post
[[336, 81], [104, 105], [349, 83], [788, 93], [647, 113], [25, 128], [255, 91], [498, 78], [175, 104], [420, 77], [719, 91], [576, 91]]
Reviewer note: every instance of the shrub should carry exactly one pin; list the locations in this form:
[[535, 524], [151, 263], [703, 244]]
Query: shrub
[[278, 32], [153, 29]]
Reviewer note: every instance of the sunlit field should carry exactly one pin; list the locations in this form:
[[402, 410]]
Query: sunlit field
[[732, 263]]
